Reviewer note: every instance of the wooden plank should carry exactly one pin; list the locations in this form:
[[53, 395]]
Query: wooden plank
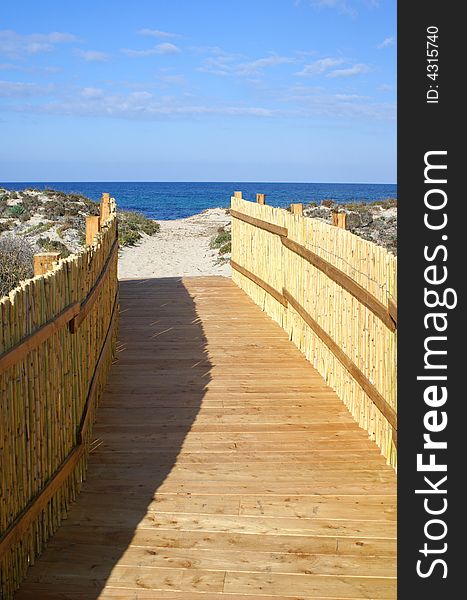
[[44, 261], [214, 473], [261, 198], [392, 308], [282, 231], [342, 279], [93, 226], [32, 341], [297, 209], [351, 367], [262, 284]]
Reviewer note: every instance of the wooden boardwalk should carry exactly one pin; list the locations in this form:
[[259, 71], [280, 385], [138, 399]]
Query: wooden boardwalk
[[223, 467]]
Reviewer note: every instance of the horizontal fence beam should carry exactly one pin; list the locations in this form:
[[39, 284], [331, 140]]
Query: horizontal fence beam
[[262, 284], [387, 314], [75, 313], [259, 223], [286, 299], [369, 389], [88, 303], [22, 522], [32, 341], [344, 280]]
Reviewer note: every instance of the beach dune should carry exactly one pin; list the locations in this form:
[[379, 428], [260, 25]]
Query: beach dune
[[181, 248]]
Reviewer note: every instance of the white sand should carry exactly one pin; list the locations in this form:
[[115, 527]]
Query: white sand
[[181, 248]]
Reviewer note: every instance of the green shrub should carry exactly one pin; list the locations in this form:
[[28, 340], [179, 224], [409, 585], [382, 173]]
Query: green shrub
[[222, 238], [130, 226], [39, 228], [226, 248], [16, 210], [48, 245]]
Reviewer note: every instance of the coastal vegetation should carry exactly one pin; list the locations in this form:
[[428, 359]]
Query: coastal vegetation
[[49, 220], [374, 221]]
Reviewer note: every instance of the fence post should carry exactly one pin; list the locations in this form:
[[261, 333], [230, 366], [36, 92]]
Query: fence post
[[92, 228], [105, 207], [238, 195], [296, 209], [261, 198], [44, 261]]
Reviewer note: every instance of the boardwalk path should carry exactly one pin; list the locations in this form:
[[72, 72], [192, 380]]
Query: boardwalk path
[[223, 467]]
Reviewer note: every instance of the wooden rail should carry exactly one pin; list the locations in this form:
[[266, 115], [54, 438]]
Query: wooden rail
[[363, 347], [56, 344]]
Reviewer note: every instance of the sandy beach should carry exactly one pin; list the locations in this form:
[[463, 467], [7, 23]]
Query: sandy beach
[[181, 248]]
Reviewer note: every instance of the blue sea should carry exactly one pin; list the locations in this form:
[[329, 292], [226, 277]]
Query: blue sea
[[175, 200]]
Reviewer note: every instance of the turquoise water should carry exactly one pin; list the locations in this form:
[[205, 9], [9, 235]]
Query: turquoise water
[[166, 200]]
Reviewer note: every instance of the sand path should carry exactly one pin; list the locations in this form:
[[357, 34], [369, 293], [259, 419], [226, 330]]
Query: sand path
[[181, 248]]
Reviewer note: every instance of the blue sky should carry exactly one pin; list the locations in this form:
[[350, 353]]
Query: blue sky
[[178, 90]]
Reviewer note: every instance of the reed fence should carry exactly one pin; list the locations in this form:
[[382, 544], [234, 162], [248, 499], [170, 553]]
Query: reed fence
[[57, 338], [335, 294]]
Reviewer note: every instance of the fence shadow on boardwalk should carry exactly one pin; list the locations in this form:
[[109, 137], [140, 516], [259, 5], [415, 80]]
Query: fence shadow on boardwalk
[[152, 398]]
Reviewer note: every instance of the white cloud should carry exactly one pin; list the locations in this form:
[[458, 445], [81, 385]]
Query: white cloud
[[140, 105], [15, 45], [320, 66], [157, 33], [164, 48], [358, 69], [341, 5], [92, 55], [92, 93], [9, 89], [224, 63], [389, 41]]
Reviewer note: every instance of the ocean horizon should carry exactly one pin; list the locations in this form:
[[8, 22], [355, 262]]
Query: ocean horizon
[[176, 200]]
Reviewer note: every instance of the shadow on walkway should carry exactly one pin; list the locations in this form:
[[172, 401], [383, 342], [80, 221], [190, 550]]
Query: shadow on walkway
[[153, 396]]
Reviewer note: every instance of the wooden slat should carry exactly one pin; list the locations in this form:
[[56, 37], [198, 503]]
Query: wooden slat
[[91, 298], [342, 279], [259, 223], [351, 367], [22, 522], [18, 352], [262, 284], [85, 420], [27, 516]]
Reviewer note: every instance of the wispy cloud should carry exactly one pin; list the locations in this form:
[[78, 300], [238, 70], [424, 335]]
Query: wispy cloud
[[15, 45], [9, 89], [157, 33], [164, 48], [343, 6], [318, 67], [389, 41], [93, 55], [92, 93], [346, 7], [358, 69], [224, 63], [139, 105]]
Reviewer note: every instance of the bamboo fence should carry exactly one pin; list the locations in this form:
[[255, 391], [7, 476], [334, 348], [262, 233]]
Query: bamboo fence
[[57, 338], [335, 295]]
